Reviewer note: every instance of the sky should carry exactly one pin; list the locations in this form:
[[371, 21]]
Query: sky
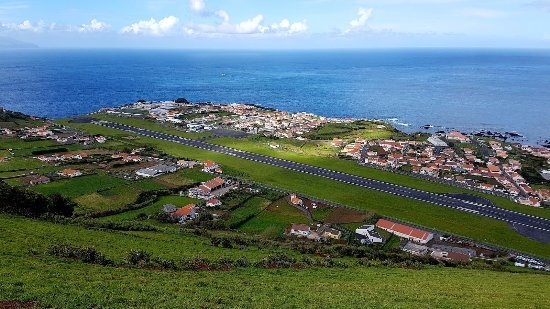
[[277, 24]]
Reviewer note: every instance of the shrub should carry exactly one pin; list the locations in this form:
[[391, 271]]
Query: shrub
[[242, 262], [165, 263], [138, 258], [86, 254]]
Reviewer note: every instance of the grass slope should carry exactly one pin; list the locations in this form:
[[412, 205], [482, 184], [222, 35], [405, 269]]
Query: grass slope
[[61, 283], [444, 219]]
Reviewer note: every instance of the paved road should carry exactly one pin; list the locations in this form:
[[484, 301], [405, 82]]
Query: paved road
[[539, 225]]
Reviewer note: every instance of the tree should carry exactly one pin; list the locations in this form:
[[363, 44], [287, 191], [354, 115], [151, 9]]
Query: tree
[[61, 205]]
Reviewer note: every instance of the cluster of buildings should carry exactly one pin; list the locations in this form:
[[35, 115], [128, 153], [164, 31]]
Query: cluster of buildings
[[70, 173], [492, 169], [255, 120], [183, 214], [211, 190], [247, 118], [48, 132], [317, 232], [63, 157], [156, 170], [420, 242]]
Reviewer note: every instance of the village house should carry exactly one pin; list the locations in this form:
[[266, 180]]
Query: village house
[[416, 249], [337, 142], [187, 164], [186, 213], [206, 189], [156, 170], [69, 173], [302, 230], [457, 136], [404, 231], [329, 233], [295, 200], [209, 166], [37, 180], [371, 235], [469, 253], [169, 208], [214, 202]]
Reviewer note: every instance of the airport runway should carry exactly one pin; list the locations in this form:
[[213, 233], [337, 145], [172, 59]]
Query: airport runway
[[535, 224]]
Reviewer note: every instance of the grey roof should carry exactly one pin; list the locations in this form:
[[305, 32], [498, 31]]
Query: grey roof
[[169, 208], [162, 168], [419, 249], [147, 171], [436, 141], [157, 169], [465, 251]]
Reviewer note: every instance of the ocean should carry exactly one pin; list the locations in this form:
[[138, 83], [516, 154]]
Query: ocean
[[464, 89]]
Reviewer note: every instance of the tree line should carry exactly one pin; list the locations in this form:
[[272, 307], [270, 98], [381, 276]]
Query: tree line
[[24, 202]]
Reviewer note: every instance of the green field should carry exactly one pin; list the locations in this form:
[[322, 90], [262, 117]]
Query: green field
[[247, 211], [17, 163], [443, 219], [151, 210], [17, 143], [116, 198], [352, 131], [352, 167], [274, 219], [79, 186], [183, 177], [29, 275]]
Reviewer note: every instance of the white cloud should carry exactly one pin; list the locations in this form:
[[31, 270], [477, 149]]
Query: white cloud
[[197, 5], [363, 15], [290, 28], [253, 25], [152, 26], [222, 15], [28, 25], [223, 26], [94, 26]]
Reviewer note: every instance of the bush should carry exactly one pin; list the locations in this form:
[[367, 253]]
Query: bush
[[165, 263], [138, 258], [28, 203], [86, 254]]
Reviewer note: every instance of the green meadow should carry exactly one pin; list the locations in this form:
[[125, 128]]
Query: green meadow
[[447, 220], [31, 276]]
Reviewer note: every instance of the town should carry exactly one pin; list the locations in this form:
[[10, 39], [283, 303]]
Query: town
[[101, 172], [465, 160]]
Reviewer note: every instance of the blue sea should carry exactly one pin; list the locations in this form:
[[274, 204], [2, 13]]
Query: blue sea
[[465, 89]]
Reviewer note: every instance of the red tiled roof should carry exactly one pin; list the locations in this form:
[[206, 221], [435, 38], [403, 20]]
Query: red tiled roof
[[213, 201], [403, 229], [300, 227], [184, 211], [214, 183], [209, 163]]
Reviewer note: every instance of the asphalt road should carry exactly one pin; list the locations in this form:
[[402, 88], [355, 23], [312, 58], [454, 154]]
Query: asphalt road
[[535, 224]]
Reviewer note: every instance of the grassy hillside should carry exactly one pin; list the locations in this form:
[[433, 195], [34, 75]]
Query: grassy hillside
[[444, 219], [30, 275]]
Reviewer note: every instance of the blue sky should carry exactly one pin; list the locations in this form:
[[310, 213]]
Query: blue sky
[[270, 24]]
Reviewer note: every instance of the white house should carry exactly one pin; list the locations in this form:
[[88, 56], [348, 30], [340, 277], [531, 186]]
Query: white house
[[368, 231], [300, 229]]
